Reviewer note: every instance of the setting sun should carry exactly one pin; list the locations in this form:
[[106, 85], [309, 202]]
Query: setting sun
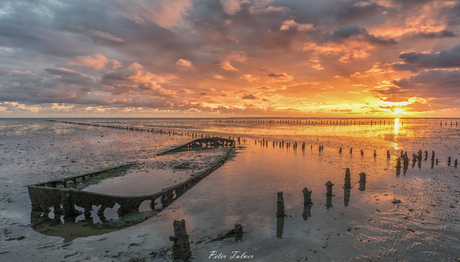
[[398, 111]]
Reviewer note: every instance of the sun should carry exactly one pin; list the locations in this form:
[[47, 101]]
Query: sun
[[398, 111]]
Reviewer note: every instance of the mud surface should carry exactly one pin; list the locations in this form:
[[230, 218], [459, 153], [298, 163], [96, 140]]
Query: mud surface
[[413, 216]]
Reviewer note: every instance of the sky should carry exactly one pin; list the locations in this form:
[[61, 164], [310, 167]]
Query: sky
[[230, 58]]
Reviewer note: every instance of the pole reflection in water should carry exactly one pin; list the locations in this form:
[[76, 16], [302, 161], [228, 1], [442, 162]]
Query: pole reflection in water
[[329, 201], [346, 196], [279, 226], [306, 212]]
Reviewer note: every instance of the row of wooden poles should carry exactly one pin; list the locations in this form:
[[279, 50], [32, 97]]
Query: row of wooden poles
[[310, 122], [307, 193], [159, 131], [416, 158], [451, 124]]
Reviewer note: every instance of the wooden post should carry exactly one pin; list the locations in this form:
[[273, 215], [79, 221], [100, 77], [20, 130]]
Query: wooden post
[[280, 205], [329, 194], [306, 197], [181, 246], [347, 179], [329, 188]]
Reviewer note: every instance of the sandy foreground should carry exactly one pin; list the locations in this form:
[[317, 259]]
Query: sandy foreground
[[365, 225]]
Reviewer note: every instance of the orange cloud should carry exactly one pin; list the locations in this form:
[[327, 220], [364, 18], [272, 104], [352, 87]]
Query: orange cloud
[[96, 61]]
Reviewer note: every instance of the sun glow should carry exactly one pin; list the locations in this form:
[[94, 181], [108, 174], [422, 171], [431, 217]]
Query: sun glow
[[398, 111], [396, 126]]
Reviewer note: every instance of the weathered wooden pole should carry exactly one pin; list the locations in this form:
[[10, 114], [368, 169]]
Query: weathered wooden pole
[[347, 179], [448, 161], [455, 163], [346, 196], [362, 177], [181, 246], [306, 197], [280, 205], [362, 181], [329, 188], [329, 194], [340, 151], [388, 154], [375, 153]]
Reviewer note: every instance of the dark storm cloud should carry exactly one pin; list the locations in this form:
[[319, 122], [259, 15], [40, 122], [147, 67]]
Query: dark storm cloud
[[439, 34], [432, 84], [444, 59], [357, 32], [349, 13]]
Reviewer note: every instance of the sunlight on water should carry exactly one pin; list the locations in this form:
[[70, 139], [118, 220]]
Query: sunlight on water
[[396, 126]]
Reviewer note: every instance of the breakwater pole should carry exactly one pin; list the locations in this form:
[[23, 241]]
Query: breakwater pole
[[347, 180], [347, 188], [362, 181], [307, 203], [306, 197], [181, 246], [280, 205], [329, 194]]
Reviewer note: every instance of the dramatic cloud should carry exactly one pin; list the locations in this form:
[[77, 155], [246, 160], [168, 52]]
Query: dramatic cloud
[[228, 57], [439, 34], [443, 59], [354, 32]]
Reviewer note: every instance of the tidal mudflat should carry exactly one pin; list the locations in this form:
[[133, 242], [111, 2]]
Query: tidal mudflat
[[410, 216]]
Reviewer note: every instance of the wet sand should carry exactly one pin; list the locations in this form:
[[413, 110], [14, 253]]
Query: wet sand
[[422, 227]]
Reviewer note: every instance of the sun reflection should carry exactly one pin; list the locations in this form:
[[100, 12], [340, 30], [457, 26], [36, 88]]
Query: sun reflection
[[396, 126]]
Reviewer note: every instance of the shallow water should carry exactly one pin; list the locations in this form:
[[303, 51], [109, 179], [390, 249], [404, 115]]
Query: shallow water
[[424, 226]]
